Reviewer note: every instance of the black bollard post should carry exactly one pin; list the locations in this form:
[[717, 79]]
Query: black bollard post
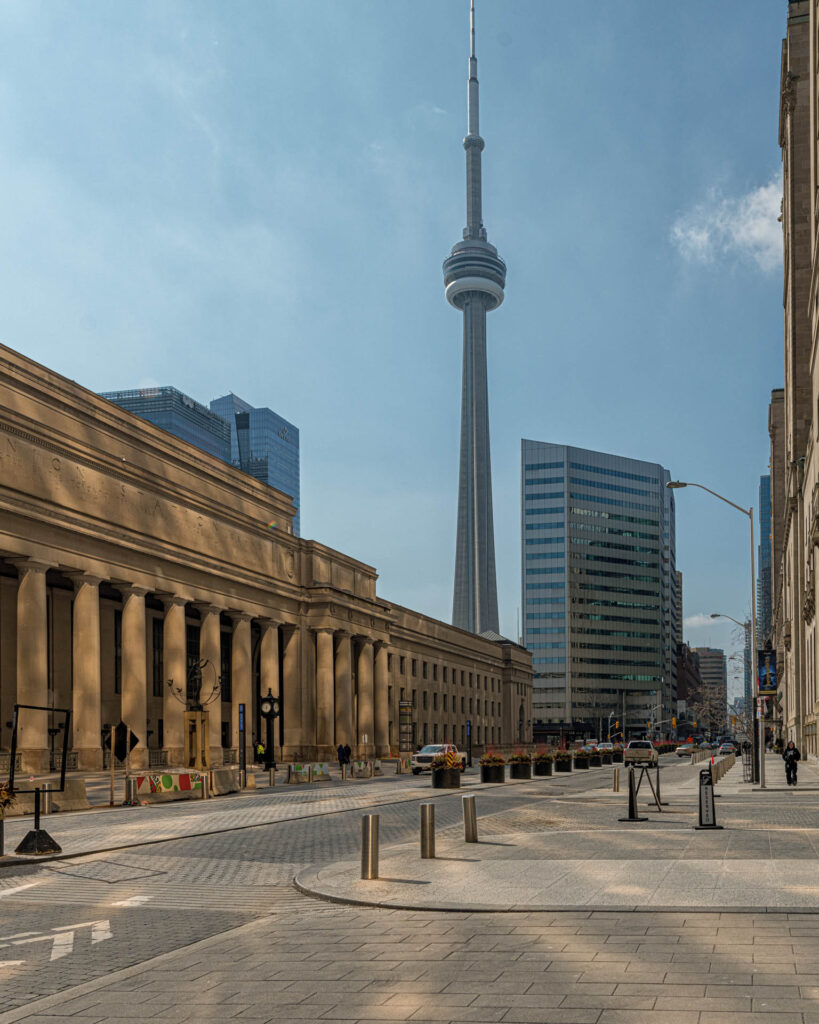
[[708, 815], [632, 798], [38, 842]]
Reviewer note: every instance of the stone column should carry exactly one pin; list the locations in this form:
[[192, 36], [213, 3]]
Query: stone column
[[293, 746], [364, 676], [382, 707], [32, 665], [269, 680], [175, 669], [324, 695], [242, 691], [345, 731], [86, 697], [134, 671], [210, 652]]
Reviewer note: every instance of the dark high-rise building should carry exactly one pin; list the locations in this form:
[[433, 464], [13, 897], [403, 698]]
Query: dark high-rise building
[[474, 276], [763, 577], [264, 445], [179, 414], [258, 441]]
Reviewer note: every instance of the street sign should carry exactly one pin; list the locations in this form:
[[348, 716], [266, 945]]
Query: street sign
[[122, 734]]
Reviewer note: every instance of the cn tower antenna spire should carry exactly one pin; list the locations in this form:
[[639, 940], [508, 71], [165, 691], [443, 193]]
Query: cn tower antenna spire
[[474, 277]]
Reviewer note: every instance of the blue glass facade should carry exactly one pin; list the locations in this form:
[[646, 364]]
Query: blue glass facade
[[178, 414], [264, 445], [601, 529], [257, 441]]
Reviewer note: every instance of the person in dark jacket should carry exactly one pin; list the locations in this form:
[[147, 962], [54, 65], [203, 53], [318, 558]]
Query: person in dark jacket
[[791, 757], [347, 752], [342, 757]]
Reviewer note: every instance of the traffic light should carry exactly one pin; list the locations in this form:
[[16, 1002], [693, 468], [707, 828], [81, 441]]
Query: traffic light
[[616, 724], [733, 721], [695, 725], [673, 721]]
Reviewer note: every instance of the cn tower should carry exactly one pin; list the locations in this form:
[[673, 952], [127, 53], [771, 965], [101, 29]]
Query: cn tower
[[474, 277]]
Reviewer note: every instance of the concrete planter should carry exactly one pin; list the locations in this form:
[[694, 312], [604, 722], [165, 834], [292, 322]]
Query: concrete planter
[[581, 762], [520, 771], [446, 778], [542, 767], [607, 758], [493, 773], [596, 761], [617, 757]]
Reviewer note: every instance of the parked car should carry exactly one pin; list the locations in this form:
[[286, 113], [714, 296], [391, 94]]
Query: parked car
[[605, 746], [640, 752], [685, 749], [423, 758], [727, 748]]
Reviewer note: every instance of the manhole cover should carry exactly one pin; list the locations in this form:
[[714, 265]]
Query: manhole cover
[[105, 871]]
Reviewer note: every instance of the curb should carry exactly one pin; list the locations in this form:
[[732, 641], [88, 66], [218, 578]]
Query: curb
[[301, 883]]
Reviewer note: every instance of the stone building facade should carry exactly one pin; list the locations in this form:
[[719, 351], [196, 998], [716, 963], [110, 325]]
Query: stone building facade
[[127, 556], [792, 446]]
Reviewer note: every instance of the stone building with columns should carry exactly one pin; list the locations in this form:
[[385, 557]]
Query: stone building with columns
[[128, 556]]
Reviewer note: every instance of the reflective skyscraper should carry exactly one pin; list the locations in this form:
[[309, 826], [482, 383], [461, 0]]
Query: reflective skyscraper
[[474, 277]]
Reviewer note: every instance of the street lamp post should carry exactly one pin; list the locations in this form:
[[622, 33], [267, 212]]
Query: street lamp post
[[749, 512]]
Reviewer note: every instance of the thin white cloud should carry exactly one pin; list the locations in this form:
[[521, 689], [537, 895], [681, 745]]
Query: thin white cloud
[[698, 621], [729, 226]]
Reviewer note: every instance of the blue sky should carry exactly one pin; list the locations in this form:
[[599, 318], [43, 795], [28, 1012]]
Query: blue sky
[[257, 196]]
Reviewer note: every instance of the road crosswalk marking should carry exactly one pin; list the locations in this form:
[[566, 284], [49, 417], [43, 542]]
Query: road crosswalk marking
[[61, 938]]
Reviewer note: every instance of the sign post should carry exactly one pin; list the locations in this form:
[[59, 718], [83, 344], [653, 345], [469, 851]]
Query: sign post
[[242, 748]]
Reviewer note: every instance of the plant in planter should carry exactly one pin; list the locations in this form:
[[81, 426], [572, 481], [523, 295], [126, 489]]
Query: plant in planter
[[542, 761], [520, 765], [563, 761], [493, 767], [446, 772]]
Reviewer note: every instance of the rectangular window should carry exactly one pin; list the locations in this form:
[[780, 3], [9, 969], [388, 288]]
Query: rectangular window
[[414, 667], [414, 692], [425, 700], [160, 733], [423, 670], [389, 663], [401, 666], [462, 705], [389, 696], [192, 646], [470, 678], [226, 650], [401, 693], [425, 734], [435, 702], [435, 673], [158, 641], [225, 734], [445, 702], [435, 732], [117, 651], [470, 705], [445, 673]]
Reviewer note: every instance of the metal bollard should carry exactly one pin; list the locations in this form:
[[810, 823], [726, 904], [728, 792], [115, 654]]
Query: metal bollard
[[470, 819], [47, 799], [615, 781], [632, 798], [427, 831], [206, 786], [369, 845], [271, 777]]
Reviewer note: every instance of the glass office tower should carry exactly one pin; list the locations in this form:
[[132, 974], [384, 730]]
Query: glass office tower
[[178, 414], [599, 605], [257, 441], [264, 445]]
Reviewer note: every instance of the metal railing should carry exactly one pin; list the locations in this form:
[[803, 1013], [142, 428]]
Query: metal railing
[[55, 761], [157, 758]]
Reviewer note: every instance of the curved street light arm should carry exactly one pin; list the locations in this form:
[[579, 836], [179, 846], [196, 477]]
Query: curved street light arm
[[702, 487]]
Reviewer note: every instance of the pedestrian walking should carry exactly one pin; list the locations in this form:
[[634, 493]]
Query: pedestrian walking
[[347, 753], [260, 752], [342, 759], [791, 757]]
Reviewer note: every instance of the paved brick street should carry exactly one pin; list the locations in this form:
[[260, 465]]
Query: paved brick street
[[209, 927]]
